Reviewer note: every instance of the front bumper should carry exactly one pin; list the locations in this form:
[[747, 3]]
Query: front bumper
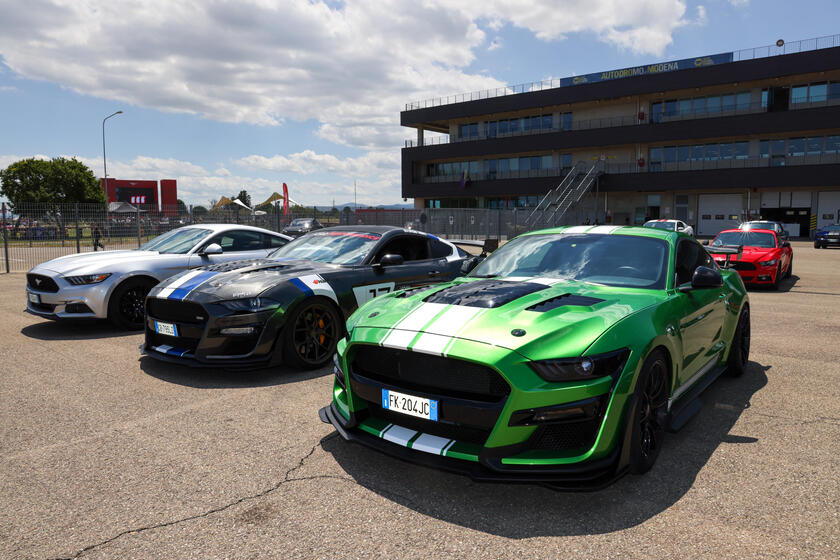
[[199, 341], [69, 301], [480, 435]]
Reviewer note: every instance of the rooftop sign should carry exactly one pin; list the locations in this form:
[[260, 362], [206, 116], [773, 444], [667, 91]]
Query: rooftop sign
[[645, 70]]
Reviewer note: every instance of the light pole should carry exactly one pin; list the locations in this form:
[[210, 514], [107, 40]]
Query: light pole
[[105, 161]]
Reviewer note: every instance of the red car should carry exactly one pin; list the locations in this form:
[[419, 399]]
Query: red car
[[766, 257]]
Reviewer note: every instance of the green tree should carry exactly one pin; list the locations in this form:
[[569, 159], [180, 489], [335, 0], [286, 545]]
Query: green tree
[[244, 197], [182, 208], [199, 211], [56, 181]]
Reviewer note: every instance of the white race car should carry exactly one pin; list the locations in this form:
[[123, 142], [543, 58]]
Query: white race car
[[114, 284], [671, 225]]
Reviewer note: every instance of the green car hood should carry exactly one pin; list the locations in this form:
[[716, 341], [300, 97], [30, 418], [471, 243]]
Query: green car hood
[[537, 318]]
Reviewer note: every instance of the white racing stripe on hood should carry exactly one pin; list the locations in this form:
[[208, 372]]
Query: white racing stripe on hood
[[604, 229], [577, 229], [167, 291], [407, 327], [438, 335]]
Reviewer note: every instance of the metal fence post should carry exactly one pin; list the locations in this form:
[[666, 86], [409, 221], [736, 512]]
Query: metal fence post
[[5, 240], [499, 229], [277, 214], [138, 228], [78, 242]]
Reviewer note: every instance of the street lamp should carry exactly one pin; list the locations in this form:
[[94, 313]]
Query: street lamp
[[104, 161]]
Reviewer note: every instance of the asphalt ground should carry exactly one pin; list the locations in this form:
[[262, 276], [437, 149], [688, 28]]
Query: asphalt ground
[[104, 454]]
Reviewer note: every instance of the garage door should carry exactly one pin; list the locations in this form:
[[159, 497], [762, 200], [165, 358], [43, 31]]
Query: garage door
[[829, 209], [718, 212]]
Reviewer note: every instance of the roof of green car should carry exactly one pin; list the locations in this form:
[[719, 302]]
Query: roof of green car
[[670, 236]]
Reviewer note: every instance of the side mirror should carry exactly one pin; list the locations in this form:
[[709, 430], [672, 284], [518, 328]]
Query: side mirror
[[391, 260], [212, 249], [786, 244], [703, 278], [785, 233], [468, 265], [705, 242]]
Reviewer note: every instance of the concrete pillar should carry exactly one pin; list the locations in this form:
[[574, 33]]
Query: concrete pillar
[[419, 135]]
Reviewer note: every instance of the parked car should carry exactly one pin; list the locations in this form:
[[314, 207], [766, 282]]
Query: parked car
[[766, 257], [291, 306], [829, 236], [671, 225], [114, 284], [561, 359], [765, 224], [300, 226]]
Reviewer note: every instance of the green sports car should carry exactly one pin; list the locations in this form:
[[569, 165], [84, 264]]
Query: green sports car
[[562, 359]]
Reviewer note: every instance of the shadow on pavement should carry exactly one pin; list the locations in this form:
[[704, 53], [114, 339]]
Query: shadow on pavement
[[524, 511], [75, 330], [785, 285], [218, 378]]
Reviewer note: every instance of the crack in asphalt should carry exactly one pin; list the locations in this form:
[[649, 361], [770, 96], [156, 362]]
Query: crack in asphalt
[[286, 478], [801, 421]]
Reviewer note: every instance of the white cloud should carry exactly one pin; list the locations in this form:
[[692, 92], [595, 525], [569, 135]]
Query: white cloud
[[496, 43], [350, 66], [309, 163], [739, 3], [8, 89], [702, 18]]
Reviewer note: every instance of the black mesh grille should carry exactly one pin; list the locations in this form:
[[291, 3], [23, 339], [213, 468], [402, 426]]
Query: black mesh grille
[[43, 307], [175, 311], [572, 435], [41, 283], [183, 343], [739, 265], [430, 374], [440, 429]]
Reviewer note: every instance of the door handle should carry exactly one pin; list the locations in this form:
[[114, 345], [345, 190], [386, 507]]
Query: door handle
[[434, 273]]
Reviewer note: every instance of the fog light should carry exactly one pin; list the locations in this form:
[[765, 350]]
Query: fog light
[[237, 331]]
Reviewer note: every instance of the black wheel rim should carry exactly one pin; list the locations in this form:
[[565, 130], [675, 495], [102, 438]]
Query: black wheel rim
[[651, 410], [315, 334], [131, 305], [745, 336]]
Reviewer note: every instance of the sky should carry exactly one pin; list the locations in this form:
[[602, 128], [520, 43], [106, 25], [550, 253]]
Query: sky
[[231, 95]]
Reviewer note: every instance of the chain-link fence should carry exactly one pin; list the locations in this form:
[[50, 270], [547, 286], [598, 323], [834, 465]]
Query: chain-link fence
[[34, 233]]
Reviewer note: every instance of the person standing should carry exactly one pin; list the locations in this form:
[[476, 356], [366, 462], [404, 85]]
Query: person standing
[[96, 233]]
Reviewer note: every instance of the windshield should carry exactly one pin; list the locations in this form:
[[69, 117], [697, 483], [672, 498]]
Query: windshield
[[670, 226], [613, 260], [745, 238], [337, 247], [759, 225], [299, 223], [832, 228], [177, 241]]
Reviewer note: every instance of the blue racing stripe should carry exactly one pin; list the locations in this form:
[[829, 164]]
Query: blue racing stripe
[[181, 291], [301, 286]]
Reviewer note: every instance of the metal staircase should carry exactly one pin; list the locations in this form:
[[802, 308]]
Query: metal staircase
[[564, 196]]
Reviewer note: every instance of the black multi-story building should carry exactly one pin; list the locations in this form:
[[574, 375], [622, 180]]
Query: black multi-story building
[[713, 141]]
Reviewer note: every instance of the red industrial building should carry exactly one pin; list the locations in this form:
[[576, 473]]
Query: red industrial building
[[144, 193]]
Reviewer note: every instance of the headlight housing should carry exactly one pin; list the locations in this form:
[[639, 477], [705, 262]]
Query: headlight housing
[[87, 279], [250, 305], [768, 263], [582, 368]]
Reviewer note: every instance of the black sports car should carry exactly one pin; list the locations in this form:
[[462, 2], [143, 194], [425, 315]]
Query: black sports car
[[300, 226], [292, 305]]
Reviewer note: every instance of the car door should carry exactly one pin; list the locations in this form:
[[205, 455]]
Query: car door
[[702, 313], [236, 244]]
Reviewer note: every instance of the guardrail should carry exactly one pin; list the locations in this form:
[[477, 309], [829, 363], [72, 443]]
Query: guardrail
[[793, 47]]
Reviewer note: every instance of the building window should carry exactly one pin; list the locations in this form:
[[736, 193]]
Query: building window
[[764, 95], [655, 157], [685, 106], [741, 150], [834, 90], [656, 112], [832, 144], [728, 102], [671, 108], [713, 104], [817, 92], [726, 151], [699, 105], [742, 100], [697, 152], [815, 145], [468, 130], [712, 152], [566, 121], [799, 94]]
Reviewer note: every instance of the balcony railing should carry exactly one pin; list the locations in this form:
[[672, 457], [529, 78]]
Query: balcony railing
[[633, 167], [793, 47], [627, 120]]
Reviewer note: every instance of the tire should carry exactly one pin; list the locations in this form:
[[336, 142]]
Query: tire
[[816, 245], [126, 308], [789, 272], [777, 280], [739, 350], [649, 414], [311, 334]]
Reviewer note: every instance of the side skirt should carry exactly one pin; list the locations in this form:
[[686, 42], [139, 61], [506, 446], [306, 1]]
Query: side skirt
[[689, 404]]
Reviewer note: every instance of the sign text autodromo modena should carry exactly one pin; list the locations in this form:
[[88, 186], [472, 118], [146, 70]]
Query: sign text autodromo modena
[[659, 68]]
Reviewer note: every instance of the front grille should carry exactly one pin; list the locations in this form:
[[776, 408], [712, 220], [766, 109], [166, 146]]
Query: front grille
[[430, 374], [459, 432], [155, 339], [43, 307], [739, 265], [41, 283], [570, 435], [175, 311]]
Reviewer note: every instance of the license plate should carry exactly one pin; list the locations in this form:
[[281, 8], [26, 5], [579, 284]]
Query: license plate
[[409, 404], [166, 328], [834, 240], [34, 298]]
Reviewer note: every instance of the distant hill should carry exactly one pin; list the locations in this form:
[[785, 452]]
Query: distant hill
[[405, 206]]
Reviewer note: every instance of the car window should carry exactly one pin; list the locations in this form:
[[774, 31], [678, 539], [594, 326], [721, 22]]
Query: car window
[[746, 238], [690, 255], [238, 240], [177, 241], [439, 248], [272, 241], [410, 247]]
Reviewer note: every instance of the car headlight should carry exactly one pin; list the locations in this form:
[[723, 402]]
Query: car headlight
[[768, 263], [87, 279], [582, 368], [250, 305]]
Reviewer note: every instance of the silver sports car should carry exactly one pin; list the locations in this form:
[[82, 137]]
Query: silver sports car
[[114, 284]]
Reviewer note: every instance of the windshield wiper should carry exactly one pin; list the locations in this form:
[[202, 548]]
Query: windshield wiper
[[484, 276]]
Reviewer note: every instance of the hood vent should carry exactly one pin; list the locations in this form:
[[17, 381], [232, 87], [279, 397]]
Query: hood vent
[[565, 299], [408, 292], [488, 294], [235, 265]]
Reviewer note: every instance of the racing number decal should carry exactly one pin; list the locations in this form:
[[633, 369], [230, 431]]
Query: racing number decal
[[366, 293]]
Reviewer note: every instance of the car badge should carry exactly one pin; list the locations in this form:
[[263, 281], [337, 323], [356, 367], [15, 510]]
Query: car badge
[[517, 332], [37, 281]]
